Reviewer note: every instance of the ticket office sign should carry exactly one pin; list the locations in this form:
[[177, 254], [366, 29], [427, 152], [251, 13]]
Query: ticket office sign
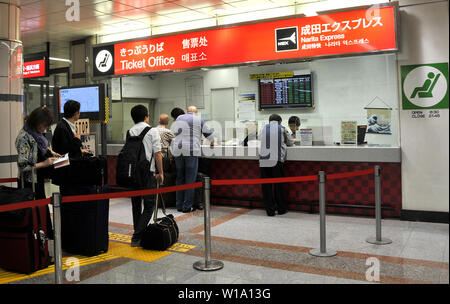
[[351, 32]]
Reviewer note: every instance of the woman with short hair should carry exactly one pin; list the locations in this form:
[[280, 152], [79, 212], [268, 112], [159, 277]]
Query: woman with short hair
[[34, 153]]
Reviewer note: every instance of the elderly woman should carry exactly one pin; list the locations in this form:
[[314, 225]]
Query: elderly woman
[[34, 152]]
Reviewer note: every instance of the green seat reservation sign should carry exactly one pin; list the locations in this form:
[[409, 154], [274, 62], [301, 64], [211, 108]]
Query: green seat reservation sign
[[425, 86]]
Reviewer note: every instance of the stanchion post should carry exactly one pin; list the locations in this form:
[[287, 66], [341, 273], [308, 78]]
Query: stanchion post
[[322, 252], [208, 264], [56, 202], [378, 240]]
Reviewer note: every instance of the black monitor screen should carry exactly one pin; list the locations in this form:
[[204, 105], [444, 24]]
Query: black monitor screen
[[291, 92]]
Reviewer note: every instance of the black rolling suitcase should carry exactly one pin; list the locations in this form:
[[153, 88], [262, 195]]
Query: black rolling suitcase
[[85, 171], [84, 225], [23, 242]]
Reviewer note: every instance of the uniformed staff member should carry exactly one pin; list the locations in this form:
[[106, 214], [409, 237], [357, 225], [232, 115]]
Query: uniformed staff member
[[294, 124]]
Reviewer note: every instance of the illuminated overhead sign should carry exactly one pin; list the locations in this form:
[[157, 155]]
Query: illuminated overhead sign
[[36, 68], [351, 32]]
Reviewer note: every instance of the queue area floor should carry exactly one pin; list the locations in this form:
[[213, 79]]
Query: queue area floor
[[258, 249]]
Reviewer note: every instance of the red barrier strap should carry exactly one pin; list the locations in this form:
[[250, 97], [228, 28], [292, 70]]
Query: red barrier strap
[[222, 182], [8, 180], [27, 204], [350, 174], [94, 197]]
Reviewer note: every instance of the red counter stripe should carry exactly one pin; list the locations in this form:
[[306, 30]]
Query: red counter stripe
[[23, 205], [93, 197], [222, 182], [350, 174]]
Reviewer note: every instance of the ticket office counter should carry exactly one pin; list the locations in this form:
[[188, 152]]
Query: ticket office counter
[[352, 196], [355, 195]]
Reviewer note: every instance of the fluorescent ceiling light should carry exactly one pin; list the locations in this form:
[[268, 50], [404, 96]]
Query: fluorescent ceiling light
[[60, 59]]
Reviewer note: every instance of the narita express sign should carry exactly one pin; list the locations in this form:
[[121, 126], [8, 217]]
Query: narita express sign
[[350, 32]]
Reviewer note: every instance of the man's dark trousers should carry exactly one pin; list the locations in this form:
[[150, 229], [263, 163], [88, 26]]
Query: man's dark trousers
[[273, 198], [141, 218]]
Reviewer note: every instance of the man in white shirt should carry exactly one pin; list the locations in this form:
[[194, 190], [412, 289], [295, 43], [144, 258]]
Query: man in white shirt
[[272, 154], [186, 148], [152, 146], [166, 135]]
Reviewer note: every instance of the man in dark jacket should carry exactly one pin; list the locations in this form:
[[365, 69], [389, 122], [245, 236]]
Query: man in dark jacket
[[65, 140]]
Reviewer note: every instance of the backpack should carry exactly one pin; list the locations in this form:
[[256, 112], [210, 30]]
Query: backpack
[[133, 168]]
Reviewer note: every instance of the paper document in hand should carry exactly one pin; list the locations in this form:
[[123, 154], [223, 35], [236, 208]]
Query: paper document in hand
[[62, 162]]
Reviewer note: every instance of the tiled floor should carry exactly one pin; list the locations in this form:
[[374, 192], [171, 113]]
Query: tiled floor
[[259, 249]]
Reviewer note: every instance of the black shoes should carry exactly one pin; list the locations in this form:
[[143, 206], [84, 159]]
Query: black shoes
[[188, 210], [280, 212], [198, 207]]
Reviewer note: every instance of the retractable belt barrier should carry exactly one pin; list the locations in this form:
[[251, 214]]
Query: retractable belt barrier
[[208, 264], [8, 180]]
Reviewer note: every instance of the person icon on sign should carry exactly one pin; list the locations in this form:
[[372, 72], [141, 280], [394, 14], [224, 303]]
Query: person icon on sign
[[426, 89]]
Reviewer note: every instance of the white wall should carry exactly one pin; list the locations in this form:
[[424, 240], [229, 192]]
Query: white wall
[[172, 88], [140, 87], [425, 142]]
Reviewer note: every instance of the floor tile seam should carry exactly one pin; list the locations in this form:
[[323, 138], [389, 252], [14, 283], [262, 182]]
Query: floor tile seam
[[100, 269], [221, 220], [406, 272], [306, 269], [121, 225], [345, 254]]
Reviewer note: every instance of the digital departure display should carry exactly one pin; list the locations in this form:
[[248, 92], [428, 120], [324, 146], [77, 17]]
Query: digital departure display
[[288, 92], [88, 97], [91, 99]]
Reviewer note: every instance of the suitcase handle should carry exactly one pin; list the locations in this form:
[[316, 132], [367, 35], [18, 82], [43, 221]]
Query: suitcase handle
[[155, 215]]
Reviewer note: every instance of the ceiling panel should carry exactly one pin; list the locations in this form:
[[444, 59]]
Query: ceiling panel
[[44, 20], [217, 9], [195, 4], [165, 8], [111, 7], [135, 13], [142, 3], [157, 20], [188, 15]]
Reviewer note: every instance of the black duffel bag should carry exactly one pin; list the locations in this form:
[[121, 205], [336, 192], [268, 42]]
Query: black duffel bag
[[85, 171], [10, 195], [162, 233]]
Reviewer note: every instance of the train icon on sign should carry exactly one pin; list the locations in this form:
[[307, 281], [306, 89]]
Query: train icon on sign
[[286, 39]]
